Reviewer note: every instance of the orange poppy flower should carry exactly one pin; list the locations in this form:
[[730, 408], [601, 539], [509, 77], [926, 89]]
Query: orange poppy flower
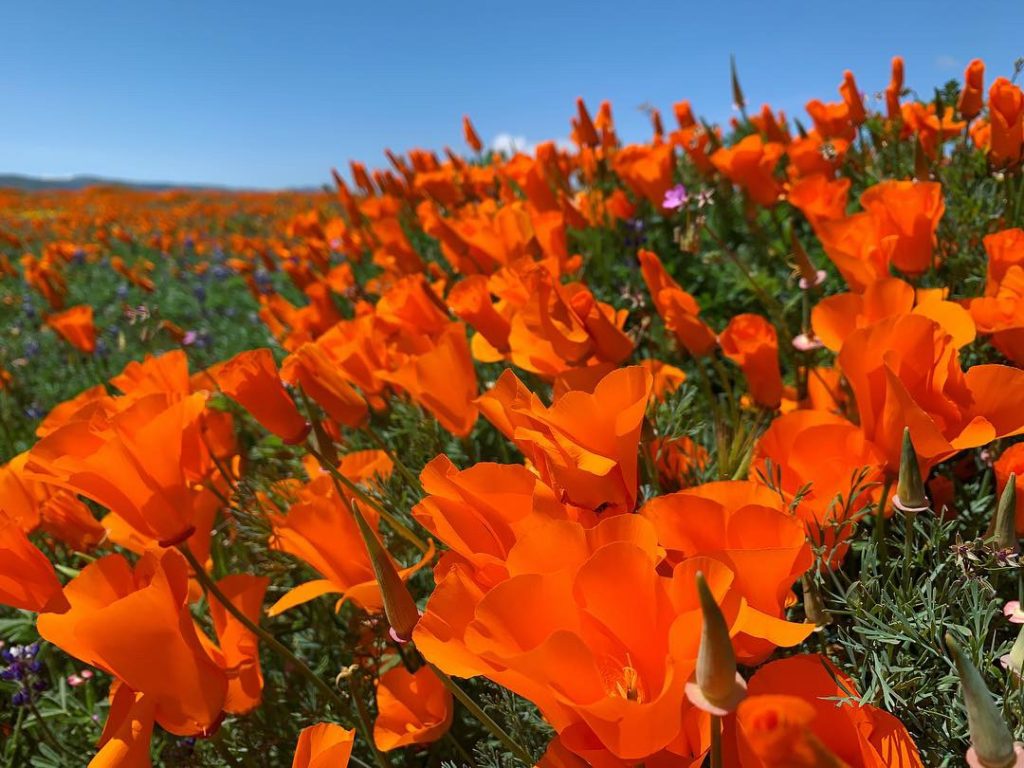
[[751, 165], [442, 380], [897, 226], [1012, 462], [585, 626], [312, 368], [1004, 250], [678, 460], [835, 317], [677, 308], [324, 745], [741, 525], [790, 713], [905, 372], [584, 445], [908, 213], [135, 624], [141, 464], [470, 300], [126, 735], [666, 378], [1006, 117], [252, 380], [811, 155], [560, 327], [412, 708], [482, 511], [75, 326], [816, 457], [751, 342], [238, 652], [646, 170], [27, 579], [1000, 311], [831, 120], [819, 198], [930, 127], [972, 94]]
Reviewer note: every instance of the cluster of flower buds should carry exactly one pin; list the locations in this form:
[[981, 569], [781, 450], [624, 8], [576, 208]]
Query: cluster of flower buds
[[22, 667]]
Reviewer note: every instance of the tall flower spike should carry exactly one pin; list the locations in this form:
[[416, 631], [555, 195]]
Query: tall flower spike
[[737, 92], [992, 745], [1004, 524], [717, 687], [910, 496], [399, 606]]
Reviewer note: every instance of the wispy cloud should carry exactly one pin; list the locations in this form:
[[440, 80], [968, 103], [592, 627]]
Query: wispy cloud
[[946, 62], [509, 144]]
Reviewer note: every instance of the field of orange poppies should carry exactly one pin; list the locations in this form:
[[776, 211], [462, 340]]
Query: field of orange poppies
[[700, 451]]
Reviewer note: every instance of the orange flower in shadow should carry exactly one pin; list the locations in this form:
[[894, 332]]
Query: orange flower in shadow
[[677, 308], [324, 745], [412, 708]]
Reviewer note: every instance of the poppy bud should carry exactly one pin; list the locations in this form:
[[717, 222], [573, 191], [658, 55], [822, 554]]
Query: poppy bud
[[992, 745], [972, 95], [1004, 524], [717, 687], [472, 138], [1014, 660], [737, 92], [809, 276], [814, 606], [910, 496], [399, 606], [851, 96]]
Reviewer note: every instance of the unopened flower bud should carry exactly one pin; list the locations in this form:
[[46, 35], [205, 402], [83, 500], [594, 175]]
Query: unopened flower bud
[[717, 687]]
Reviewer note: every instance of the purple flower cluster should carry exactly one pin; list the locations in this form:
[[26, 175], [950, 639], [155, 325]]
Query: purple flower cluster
[[21, 666]]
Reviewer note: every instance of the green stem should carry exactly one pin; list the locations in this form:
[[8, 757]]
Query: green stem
[[12, 745], [403, 470], [716, 742], [48, 736], [272, 642], [880, 524], [486, 720]]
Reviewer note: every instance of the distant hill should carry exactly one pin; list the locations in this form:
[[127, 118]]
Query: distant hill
[[39, 183]]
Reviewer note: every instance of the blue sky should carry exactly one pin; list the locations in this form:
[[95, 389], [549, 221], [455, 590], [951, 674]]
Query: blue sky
[[275, 93]]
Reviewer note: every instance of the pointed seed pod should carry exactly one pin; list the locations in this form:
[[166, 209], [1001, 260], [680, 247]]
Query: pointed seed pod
[[814, 606], [1004, 526], [992, 744], [737, 92], [910, 496], [399, 607], [1014, 660], [716, 687]]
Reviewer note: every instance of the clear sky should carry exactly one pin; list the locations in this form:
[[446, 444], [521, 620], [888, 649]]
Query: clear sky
[[274, 92]]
